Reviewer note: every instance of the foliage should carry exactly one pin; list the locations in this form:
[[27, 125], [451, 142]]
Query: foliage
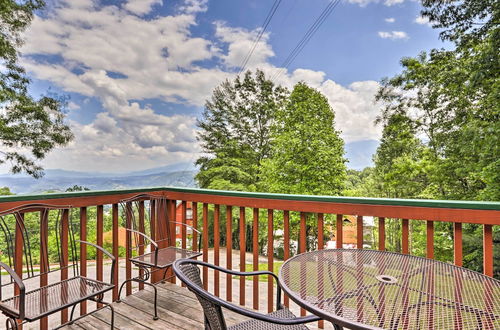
[[77, 188], [235, 131], [29, 128], [5, 191], [307, 155]]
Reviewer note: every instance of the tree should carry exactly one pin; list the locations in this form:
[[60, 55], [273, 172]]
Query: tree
[[5, 191], [77, 188], [307, 156], [235, 131], [400, 160], [29, 127]]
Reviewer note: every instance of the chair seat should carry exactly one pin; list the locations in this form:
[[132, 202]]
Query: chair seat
[[257, 324], [166, 257], [47, 300]]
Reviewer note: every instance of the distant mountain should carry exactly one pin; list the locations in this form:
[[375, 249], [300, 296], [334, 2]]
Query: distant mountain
[[24, 184], [360, 153]]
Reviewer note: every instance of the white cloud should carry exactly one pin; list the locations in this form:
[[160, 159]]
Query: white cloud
[[113, 54], [394, 35], [141, 7], [390, 20], [393, 2], [194, 6], [423, 21], [388, 3]]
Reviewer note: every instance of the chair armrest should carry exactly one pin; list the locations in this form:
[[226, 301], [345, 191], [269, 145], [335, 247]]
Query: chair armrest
[[149, 239], [254, 273], [22, 291], [200, 234], [113, 259], [240, 310]]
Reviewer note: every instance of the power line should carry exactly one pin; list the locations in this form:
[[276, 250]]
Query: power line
[[307, 37], [263, 28]]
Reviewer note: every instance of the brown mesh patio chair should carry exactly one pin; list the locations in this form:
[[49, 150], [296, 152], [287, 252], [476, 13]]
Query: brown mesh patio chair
[[152, 248], [282, 319], [31, 305]]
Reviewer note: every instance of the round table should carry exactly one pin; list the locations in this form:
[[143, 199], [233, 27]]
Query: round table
[[367, 289]]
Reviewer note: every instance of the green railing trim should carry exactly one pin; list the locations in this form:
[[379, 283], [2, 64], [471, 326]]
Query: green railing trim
[[450, 204], [88, 193], [474, 205]]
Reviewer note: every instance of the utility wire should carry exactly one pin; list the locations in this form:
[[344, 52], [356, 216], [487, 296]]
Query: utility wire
[[307, 37], [263, 28]]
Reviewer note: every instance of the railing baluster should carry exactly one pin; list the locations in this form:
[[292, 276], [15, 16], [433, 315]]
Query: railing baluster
[[141, 239], [153, 205], [229, 252], [83, 253], [286, 245], [255, 252], [381, 233], [270, 259], [100, 231], [340, 232], [65, 259], [430, 240], [242, 255], [128, 249], [183, 229], [216, 247], [405, 233], [18, 256], [488, 250], [457, 244], [173, 234], [321, 245], [359, 232], [194, 212], [205, 245], [302, 249], [44, 262], [116, 251]]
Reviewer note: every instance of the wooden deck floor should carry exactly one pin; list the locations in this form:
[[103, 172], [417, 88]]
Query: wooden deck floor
[[177, 309]]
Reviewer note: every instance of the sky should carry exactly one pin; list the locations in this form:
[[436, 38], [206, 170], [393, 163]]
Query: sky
[[137, 72]]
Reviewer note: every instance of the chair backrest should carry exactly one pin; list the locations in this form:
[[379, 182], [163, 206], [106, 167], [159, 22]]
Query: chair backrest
[[34, 226], [189, 274], [141, 213]]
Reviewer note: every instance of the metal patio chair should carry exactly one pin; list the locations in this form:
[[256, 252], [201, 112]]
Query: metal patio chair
[[188, 272], [28, 306], [144, 251]]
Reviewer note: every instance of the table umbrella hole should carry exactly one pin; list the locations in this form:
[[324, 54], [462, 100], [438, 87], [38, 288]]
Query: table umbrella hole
[[386, 279]]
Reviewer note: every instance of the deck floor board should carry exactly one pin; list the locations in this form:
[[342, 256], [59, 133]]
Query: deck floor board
[[177, 308]]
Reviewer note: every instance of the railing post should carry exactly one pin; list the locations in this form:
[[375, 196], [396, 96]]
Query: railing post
[[44, 260], [405, 233], [457, 244], [381, 233], [430, 240], [18, 252], [488, 250], [205, 245]]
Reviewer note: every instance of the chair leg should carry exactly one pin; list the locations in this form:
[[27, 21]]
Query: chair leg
[[11, 324], [71, 314], [337, 327], [121, 288], [156, 300], [112, 316]]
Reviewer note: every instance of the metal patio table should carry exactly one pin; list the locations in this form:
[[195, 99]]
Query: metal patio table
[[367, 289]]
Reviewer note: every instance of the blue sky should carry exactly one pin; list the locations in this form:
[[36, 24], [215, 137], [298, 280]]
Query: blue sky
[[138, 71]]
